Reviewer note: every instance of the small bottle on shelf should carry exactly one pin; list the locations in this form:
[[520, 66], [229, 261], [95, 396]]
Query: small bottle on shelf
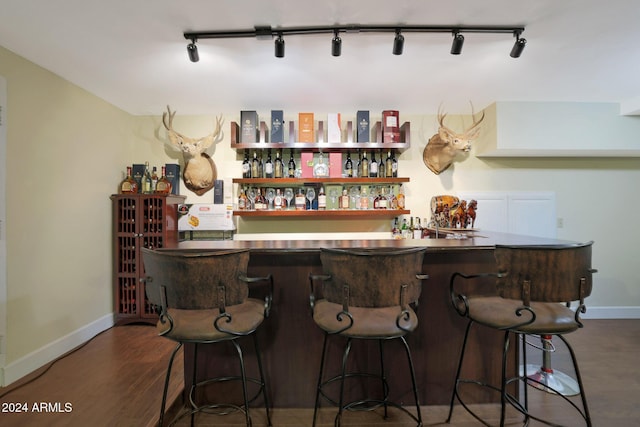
[[164, 185], [400, 197], [278, 200], [255, 166], [128, 184], [243, 201], [417, 229], [381, 167], [322, 200], [300, 200], [260, 203], [365, 166], [344, 200], [154, 179], [364, 198], [388, 165], [395, 230]]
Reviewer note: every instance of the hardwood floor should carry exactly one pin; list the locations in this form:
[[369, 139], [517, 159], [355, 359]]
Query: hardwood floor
[[116, 380]]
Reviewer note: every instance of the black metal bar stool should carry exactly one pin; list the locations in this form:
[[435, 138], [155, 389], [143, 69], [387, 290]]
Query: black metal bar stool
[[366, 294], [203, 298], [535, 287]]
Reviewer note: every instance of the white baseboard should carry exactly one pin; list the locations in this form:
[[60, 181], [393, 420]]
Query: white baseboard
[[49, 352], [628, 312]]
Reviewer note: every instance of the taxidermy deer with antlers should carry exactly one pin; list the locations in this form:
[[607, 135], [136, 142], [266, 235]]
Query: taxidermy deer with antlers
[[443, 146], [199, 170]]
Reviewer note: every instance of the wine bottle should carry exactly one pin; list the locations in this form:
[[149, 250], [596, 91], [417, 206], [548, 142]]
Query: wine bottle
[[292, 165], [255, 168], [381, 167], [246, 165], [388, 166], [154, 179], [348, 166], [365, 166], [373, 166], [268, 166], [278, 167], [146, 179]]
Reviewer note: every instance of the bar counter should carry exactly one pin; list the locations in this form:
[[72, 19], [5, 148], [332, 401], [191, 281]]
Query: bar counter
[[291, 343]]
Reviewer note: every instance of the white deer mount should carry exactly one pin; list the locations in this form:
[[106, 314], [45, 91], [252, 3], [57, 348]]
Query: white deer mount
[[199, 170], [442, 147]]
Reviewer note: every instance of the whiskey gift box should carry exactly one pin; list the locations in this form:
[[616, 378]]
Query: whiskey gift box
[[172, 171], [362, 121], [137, 171], [390, 126], [334, 128], [277, 126], [248, 126], [305, 127], [306, 164]]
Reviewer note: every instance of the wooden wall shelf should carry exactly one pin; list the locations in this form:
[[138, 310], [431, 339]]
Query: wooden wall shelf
[[283, 182], [347, 213]]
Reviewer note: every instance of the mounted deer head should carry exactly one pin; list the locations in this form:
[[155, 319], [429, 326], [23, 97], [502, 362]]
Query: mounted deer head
[[443, 146], [199, 170]]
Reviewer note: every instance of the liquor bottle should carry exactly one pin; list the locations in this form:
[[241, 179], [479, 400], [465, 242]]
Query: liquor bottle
[[278, 200], [348, 166], [268, 166], [260, 166], [243, 201], [373, 166], [292, 165], [400, 197], [365, 166], [388, 166], [260, 203], [255, 168], [322, 200], [395, 230], [394, 166], [364, 198], [344, 200], [128, 184], [417, 229], [381, 167], [404, 230], [278, 167], [146, 179], [320, 169], [425, 229], [300, 200], [246, 165], [381, 200], [154, 179], [164, 185], [393, 200]]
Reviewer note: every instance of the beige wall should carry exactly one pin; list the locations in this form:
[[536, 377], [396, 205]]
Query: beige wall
[[67, 150]]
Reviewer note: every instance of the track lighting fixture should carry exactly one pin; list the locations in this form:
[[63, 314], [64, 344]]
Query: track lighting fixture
[[280, 46], [266, 32], [518, 46], [336, 44], [398, 43], [192, 50], [458, 41]]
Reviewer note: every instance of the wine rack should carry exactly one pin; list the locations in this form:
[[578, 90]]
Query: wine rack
[[139, 220]]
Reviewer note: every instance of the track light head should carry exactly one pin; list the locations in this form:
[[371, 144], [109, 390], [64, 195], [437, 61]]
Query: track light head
[[458, 41], [518, 46], [398, 43], [336, 44], [192, 50], [280, 46]]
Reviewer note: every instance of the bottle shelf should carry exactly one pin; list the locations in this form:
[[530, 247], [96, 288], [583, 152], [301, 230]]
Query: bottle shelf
[[342, 213], [284, 182]]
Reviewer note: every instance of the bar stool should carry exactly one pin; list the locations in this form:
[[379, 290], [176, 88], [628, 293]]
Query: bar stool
[[203, 298], [531, 283], [366, 294]]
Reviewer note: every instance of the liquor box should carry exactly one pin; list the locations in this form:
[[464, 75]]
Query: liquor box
[[335, 165], [137, 170], [334, 128], [277, 126], [305, 127], [306, 164], [390, 126], [248, 126], [204, 216], [218, 192], [362, 120], [172, 171]]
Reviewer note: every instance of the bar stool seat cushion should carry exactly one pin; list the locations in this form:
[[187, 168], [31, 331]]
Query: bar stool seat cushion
[[368, 322], [198, 325], [500, 313]]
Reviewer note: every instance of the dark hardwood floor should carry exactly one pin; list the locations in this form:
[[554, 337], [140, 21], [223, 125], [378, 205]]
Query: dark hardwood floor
[[116, 380]]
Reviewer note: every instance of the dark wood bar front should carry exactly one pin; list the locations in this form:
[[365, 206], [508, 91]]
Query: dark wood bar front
[[291, 343]]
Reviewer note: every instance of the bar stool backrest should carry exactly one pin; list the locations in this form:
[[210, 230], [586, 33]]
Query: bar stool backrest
[[372, 277], [558, 273], [194, 279]]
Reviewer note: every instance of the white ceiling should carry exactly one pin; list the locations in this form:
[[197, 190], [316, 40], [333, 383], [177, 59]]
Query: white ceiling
[[132, 53]]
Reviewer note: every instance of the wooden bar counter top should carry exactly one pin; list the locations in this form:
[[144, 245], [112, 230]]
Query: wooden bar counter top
[[291, 343]]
